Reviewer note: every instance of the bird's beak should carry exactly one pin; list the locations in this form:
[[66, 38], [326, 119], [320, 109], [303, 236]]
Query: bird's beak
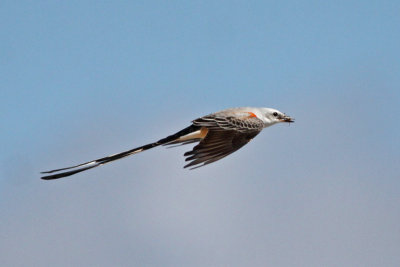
[[286, 119]]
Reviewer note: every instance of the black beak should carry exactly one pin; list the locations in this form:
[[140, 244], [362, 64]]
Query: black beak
[[286, 119]]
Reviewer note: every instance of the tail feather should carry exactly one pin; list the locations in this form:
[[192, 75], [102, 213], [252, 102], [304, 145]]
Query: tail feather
[[98, 162], [67, 173]]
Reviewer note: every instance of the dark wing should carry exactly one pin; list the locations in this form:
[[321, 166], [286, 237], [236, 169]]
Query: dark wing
[[218, 123], [225, 136]]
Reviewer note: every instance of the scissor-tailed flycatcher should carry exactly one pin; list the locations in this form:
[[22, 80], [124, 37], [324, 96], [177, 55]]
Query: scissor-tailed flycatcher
[[219, 134]]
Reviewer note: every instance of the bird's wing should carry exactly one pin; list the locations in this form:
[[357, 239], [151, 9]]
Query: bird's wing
[[225, 135], [239, 121]]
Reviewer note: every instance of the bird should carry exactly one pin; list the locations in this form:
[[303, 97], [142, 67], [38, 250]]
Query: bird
[[217, 134]]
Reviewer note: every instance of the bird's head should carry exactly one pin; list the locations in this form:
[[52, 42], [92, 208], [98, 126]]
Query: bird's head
[[272, 116]]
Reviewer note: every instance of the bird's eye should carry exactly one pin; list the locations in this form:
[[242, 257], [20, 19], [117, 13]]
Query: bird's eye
[[275, 114]]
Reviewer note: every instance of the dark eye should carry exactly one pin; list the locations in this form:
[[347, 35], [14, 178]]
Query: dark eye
[[275, 114]]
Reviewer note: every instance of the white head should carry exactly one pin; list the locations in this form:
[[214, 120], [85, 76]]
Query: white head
[[272, 116]]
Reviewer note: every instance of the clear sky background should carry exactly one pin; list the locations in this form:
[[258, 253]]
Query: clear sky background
[[83, 79]]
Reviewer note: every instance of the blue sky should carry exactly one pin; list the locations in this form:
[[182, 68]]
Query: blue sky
[[84, 79]]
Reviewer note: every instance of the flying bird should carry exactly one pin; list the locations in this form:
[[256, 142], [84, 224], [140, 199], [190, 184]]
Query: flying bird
[[218, 135]]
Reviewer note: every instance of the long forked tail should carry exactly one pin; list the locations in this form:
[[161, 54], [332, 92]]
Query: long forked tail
[[64, 172]]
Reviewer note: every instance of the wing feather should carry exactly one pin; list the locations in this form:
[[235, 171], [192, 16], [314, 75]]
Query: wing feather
[[226, 134], [217, 145]]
